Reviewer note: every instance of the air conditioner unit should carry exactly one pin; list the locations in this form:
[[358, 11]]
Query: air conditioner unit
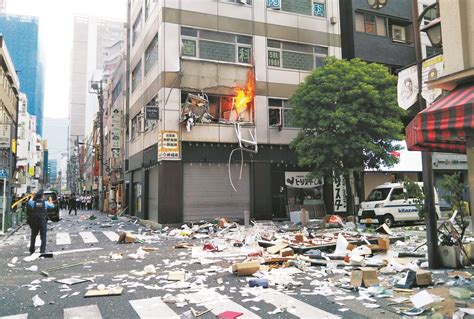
[[398, 33], [274, 4]]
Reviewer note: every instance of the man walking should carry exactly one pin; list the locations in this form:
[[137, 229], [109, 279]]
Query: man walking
[[72, 204], [38, 219]]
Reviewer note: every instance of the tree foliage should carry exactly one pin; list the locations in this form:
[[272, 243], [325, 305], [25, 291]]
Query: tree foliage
[[454, 190], [415, 192], [349, 117]]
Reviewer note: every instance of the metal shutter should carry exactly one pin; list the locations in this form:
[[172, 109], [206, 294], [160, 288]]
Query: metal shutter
[[207, 192], [153, 194]]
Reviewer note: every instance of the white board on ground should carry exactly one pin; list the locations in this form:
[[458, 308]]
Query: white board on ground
[[218, 303], [153, 308], [294, 306], [113, 236], [63, 239], [88, 237], [21, 316], [86, 312]]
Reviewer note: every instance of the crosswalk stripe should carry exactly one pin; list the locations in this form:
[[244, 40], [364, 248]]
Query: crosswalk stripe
[[153, 308], [63, 239], [218, 304], [88, 237], [111, 235], [296, 307], [85, 312], [22, 316]]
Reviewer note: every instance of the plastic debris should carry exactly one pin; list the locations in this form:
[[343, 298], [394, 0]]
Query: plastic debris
[[37, 301]]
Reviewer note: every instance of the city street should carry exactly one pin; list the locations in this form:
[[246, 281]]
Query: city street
[[19, 285]]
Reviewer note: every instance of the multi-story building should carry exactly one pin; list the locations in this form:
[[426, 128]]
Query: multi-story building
[[190, 59], [9, 100], [21, 34], [95, 45], [52, 171], [55, 132]]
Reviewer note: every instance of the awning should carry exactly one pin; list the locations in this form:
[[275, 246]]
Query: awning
[[444, 125]]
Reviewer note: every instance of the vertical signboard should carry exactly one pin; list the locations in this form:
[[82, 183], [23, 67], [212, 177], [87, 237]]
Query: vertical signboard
[[340, 195], [169, 146], [432, 69], [115, 132], [5, 135]]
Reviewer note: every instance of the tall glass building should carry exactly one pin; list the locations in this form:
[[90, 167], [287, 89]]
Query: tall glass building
[[21, 35]]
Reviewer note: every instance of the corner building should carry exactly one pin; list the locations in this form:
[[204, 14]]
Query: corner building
[[208, 47]]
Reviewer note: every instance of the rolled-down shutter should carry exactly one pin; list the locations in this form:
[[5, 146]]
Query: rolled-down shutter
[[207, 192], [153, 194]]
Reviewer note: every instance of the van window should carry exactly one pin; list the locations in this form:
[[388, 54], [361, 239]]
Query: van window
[[378, 194], [397, 194]]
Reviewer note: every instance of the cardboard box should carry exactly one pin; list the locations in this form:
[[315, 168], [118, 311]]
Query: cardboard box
[[286, 252], [469, 248], [364, 277], [299, 238], [276, 248], [384, 243], [246, 269], [423, 278]]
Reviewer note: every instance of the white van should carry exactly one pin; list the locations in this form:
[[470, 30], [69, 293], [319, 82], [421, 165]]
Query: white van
[[387, 204]]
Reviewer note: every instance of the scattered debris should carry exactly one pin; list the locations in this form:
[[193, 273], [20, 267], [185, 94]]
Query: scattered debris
[[116, 291], [37, 301]]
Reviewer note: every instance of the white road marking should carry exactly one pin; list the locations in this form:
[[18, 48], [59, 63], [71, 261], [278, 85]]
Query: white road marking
[[218, 303], [63, 239], [294, 306], [153, 308], [22, 316], [86, 312], [62, 252], [113, 236], [88, 237]]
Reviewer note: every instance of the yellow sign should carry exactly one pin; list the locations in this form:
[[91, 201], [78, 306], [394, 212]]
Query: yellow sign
[[31, 171], [169, 146], [14, 146]]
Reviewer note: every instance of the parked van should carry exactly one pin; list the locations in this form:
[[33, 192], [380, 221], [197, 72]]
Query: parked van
[[387, 204]]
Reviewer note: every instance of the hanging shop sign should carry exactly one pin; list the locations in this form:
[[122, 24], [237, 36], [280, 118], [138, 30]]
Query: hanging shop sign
[[432, 69], [152, 113], [169, 146], [301, 180], [5, 135], [407, 87], [115, 132], [340, 195], [4, 173]]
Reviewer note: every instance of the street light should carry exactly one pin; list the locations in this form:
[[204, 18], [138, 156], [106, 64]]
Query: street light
[[377, 4], [433, 30]]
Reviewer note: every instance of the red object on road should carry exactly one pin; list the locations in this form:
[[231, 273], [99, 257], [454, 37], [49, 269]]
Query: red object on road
[[210, 247], [229, 315]]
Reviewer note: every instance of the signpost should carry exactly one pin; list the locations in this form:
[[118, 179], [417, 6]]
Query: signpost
[[152, 113], [168, 146]]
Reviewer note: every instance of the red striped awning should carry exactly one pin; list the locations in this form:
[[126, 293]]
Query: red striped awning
[[444, 125]]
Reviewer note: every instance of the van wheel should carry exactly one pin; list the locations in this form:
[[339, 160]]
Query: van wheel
[[388, 220]]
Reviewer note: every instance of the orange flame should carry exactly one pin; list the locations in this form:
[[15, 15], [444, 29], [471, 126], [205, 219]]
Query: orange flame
[[245, 95]]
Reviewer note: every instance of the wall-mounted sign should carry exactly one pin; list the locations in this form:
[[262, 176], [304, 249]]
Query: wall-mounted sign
[[244, 55], [274, 58], [115, 132], [274, 4], [169, 146], [432, 69], [407, 87], [152, 113], [340, 195], [5, 135], [3, 173], [301, 180], [319, 9]]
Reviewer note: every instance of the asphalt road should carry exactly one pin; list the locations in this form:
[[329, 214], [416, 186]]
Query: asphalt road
[[17, 290]]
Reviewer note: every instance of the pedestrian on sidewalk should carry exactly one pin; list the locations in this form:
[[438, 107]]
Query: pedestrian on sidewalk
[[37, 218], [72, 204]]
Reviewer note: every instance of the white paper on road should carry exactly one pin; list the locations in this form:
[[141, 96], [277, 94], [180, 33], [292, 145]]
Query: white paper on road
[[292, 305], [86, 312], [62, 252], [113, 236], [22, 316], [63, 239], [88, 237], [153, 308], [218, 303]]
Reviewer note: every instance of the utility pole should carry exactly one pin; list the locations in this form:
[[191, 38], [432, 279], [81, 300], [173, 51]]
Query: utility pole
[[427, 162]]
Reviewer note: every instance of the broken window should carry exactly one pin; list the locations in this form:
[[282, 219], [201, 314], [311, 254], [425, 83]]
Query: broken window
[[279, 113], [206, 108]]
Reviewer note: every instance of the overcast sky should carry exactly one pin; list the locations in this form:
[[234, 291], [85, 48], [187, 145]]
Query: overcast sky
[[56, 20]]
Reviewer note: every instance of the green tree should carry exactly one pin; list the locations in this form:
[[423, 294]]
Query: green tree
[[415, 192], [454, 190], [348, 115]]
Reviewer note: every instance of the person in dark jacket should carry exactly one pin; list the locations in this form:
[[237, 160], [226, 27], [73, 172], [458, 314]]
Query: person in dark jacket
[[72, 204], [37, 214]]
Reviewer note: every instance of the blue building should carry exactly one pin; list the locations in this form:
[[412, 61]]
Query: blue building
[[21, 35], [52, 171]]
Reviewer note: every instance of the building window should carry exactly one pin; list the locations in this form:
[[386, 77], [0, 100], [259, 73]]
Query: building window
[[151, 54], [294, 56], [279, 113], [370, 23], [315, 8], [216, 46], [116, 91], [149, 7], [136, 125], [222, 110], [137, 27], [136, 76]]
